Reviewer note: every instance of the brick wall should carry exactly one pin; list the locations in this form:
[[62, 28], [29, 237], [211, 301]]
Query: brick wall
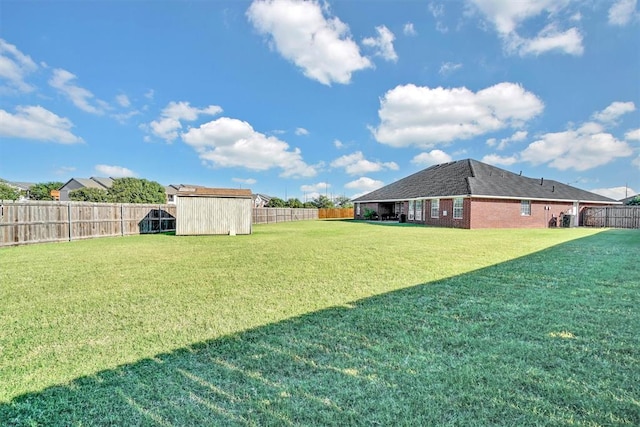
[[445, 214], [497, 213], [488, 213]]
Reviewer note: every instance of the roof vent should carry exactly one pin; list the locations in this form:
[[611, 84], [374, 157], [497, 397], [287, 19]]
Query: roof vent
[[541, 181], [553, 189], [520, 173]]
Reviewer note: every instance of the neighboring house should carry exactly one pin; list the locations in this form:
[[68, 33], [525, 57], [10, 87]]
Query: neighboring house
[[260, 200], [77, 183], [23, 187], [628, 199], [201, 211], [471, 194], [173, 189]]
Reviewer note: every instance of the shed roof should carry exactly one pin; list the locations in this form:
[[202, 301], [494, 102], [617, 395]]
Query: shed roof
[[214, 192], [473, 178]]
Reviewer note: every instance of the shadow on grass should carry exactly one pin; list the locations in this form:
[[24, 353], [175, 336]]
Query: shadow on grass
[[387, 223], [549, 339]]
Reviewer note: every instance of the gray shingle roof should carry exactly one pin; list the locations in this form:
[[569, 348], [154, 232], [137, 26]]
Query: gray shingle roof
[[473, 178]]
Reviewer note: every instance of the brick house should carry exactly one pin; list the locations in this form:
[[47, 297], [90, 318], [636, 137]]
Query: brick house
[[471, 194]]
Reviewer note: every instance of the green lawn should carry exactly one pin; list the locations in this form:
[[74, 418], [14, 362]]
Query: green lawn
[[324, 323]]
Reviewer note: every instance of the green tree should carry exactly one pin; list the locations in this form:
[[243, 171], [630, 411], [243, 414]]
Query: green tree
[[42, 190], [136, 190], [89, 195], [308, 205], [276, 202], [634, 201], [294, 203], [323, 201], [8, 193], [343, 202]]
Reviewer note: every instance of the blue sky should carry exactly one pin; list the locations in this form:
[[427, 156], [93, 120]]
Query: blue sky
[[296, 99]]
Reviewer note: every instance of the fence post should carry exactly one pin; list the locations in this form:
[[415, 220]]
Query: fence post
[[69, 218]]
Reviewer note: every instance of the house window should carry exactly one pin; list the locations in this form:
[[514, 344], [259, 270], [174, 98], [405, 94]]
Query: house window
[[435, 208], [358, 209], [418, 210], [411, 210], [525, 207], [457, 208]]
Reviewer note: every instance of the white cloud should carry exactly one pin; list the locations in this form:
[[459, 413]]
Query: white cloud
[[550, 39], [520, 135], [15, 66], [114, 171], [433, 157], [35, 122], [364, 184], [317, 188], [632, 135], [320, 45], [610, 114], [228, 142], [615, 193], [79, 96], [449, 67], [65, 170], [423, 117], [247, 181], [356, 164], [302, 131], [149, 94], [338, 144], [622, 12], [171, 117], [123, 100], [495, 159], [437, 10], [581, 149], [383, 44], [636, 162], [408, 29], [123, 117], [508, 16]]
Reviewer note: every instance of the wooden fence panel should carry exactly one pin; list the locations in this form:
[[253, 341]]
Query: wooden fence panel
[[271, 215], [612, 216], [331, 213], [25, 222]]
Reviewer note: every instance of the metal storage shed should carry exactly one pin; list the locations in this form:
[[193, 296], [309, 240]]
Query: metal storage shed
[[204, 210]]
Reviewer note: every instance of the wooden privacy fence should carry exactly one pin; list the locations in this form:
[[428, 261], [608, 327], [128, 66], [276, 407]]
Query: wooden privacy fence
[[42, 221], [270, 215], [612, 216], [331, 213]]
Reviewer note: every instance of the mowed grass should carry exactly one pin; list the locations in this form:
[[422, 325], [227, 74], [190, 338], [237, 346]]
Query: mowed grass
[[324, 323]]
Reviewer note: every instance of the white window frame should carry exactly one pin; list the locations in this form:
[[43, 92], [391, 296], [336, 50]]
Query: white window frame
[[435, 205], [525, 207], [419, 204], [357, 208], [458, 211], [411, 210]]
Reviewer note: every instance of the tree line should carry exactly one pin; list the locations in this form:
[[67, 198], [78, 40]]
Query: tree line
[[320, 202], [137, 190], [123, 190]]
